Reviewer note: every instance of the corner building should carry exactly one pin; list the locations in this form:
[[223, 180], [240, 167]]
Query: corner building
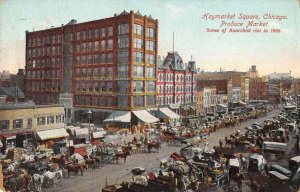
[[107, 64]]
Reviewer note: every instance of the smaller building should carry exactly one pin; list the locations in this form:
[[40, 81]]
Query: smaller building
[[21, 123], [207, 99], [200, 101]]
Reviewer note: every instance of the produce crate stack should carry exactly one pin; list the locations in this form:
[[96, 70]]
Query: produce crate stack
[[15, 154]]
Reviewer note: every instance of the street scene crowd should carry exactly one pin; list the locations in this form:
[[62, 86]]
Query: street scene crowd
[[231, 163]]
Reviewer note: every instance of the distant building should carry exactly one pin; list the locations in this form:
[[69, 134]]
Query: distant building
[[258, 89], [207, 93], [252, 73], [279, 76], [200, 101], [235, 81], [13, 94], [18, 79]]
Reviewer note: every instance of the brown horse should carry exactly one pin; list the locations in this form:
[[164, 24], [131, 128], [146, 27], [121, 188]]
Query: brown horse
[[155, 145], [91, 163], [126, 149], [255, 149], [178, 157], [122, 155], [62, 161], [75, 168]]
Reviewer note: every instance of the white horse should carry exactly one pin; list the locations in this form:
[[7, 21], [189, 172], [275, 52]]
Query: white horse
[[12, 167], [53, 177], [38, 181]]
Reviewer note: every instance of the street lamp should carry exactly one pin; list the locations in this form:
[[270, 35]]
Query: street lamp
[[89, 113]]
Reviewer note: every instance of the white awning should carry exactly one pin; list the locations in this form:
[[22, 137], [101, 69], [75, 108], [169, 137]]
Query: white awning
[[99, 134], [52, 134], [83, 132], [119, 116], [145, 116], [169, 113]]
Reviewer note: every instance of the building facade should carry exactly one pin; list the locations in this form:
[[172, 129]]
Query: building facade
[[257, 89], [200, 101], [107, 64], [235, 81], [176, 84], [26, 119]]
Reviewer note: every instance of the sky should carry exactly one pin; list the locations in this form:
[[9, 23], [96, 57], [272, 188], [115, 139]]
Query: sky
[[270, 52]]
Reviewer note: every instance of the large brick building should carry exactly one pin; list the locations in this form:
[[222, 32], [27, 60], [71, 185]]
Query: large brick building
[[176, 84], [107, 64]]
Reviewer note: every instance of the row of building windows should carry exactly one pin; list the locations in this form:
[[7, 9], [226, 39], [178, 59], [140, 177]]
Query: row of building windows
[[44, 51], [94, 59], [94, 46], [90, 34], [53, 62], [41, 74], [102, 32], [178, 99], [108, 72], [122, 101], [108, 58], [43, 86], [178, 78], [49, 39], [19, 123], [170, 89], [122, 86]]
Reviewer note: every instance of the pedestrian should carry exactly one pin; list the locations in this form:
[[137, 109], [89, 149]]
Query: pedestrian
[[240, 181], [221, 143], [287, 137]]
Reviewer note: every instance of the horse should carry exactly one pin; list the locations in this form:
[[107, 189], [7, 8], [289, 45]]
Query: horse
[[54, 177], [91, 163], [62, 161], [155, 145], [126, 149], [178, 157], [75, 168], [38, 181], [122, 155], [53, 166], [255, 149], [19, 181]]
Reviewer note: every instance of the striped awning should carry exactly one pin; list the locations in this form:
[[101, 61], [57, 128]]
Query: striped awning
[[52, 134]]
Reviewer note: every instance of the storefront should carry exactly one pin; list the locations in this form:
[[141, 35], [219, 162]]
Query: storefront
[[49, 137], [168, 116]]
